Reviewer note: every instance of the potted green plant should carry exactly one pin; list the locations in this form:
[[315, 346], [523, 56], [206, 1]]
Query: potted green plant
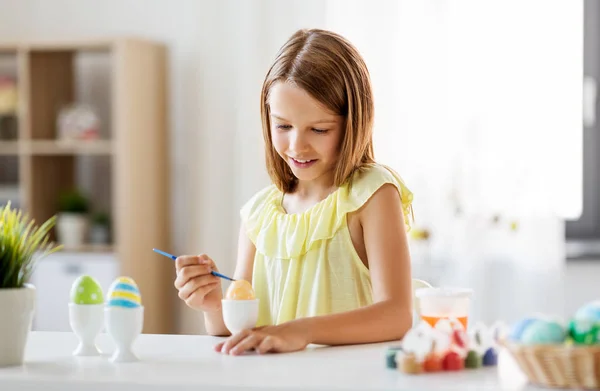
[[100, 228], [22, 244], [72, 219]]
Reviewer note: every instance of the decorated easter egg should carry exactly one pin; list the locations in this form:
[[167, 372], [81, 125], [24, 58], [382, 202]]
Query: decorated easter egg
[[544, 332], [589, 311], [124, 293], [584, 331], [86, 290], [518, 328], [240, 290]]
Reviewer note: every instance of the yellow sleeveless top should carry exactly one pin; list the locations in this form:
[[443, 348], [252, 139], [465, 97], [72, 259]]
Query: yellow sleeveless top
[[305, 263]]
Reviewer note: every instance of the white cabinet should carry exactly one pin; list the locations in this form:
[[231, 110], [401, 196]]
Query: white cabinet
[[53, 278]]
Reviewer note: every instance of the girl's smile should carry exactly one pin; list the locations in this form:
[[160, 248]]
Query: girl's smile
[[303, 163]]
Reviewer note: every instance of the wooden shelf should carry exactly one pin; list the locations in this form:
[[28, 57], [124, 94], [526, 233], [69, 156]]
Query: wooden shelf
[[50, 147], [56, 148], [75, 45], [9, 148], [90, 248], [133, 160], [6, 48], [70, 45]]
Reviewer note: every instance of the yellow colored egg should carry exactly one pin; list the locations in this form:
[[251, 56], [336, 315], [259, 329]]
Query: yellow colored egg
[[240, 290]]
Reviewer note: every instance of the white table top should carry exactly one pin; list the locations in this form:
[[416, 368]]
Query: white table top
[[184, 362]]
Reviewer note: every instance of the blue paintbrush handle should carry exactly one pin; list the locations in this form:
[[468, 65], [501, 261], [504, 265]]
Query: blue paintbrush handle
[[173, 257], [214, 273]]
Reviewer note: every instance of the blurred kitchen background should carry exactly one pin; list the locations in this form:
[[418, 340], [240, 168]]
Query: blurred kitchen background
[[486, 108]]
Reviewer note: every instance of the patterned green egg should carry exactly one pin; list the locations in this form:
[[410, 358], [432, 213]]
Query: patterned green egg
[[86, 290], [584, 331]]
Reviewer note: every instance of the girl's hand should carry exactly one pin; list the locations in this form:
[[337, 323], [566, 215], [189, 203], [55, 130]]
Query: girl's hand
[[197, 287], [287, 337]]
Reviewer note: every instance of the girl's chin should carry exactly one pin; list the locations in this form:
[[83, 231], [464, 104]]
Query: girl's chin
[[306, 175]]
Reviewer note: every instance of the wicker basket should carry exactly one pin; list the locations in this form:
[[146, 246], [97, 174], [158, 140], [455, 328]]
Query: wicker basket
[[559, 366]]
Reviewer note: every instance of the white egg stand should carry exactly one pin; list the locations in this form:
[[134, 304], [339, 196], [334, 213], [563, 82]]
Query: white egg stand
[[123, 323], [239, 315], [86, 321]]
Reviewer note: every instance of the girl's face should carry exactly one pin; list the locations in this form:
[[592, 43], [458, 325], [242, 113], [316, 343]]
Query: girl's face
[[305, 134]]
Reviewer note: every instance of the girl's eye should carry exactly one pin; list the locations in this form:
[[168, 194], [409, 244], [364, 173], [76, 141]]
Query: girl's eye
[[283, 127], [319, 130]]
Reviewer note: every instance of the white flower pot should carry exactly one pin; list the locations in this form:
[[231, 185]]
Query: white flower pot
[[71, 229], [17, 306]]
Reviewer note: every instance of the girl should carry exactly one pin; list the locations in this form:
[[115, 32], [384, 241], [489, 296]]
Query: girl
[[325, 246]]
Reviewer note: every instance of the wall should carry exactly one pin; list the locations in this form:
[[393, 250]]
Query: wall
[[581, 283]]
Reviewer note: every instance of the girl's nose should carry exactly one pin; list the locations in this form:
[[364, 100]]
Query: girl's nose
[[298, 142]]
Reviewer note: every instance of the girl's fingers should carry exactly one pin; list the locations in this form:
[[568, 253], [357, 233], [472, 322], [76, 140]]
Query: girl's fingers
[[199, 285], [219, 346], [189, 260], [186, 260], [206, 260], [188, 273], [200, 293], [250, 342], [234, 340], [267, 344]]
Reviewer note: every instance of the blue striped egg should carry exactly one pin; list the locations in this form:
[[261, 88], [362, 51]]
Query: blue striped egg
[[124, 293]]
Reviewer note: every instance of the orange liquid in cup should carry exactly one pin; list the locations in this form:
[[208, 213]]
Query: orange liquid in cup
[[432, 320]]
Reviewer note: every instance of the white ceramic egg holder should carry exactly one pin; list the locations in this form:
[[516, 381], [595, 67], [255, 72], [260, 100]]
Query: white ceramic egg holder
[[124, 325], [86, 321], [239, 314]]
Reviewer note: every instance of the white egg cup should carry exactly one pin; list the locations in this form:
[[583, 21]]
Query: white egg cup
[[124, 325], [86, 321], [239, 315]]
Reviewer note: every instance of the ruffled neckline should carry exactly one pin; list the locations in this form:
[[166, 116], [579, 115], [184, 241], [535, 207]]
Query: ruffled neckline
[[278, 234], [280, 195]]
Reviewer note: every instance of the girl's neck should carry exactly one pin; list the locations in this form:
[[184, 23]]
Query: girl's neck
[[316, 189]]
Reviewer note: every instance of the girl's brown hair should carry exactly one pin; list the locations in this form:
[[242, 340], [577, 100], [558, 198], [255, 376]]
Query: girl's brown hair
[[331, 70]]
